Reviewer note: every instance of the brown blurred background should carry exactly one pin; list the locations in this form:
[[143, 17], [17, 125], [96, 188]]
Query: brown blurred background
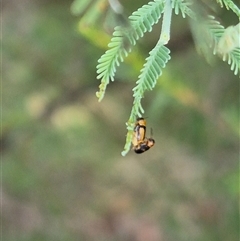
[[62, 172]]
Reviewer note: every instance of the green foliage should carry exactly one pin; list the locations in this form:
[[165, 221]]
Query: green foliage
[[183, 7], [141, 21], [152, 69], [209, 35], [229, 4], [233, 59]]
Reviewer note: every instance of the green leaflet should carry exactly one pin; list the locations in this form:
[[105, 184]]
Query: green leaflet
[[229, 4], [207, 34], [152, 69], [183, 7], [123, 38]]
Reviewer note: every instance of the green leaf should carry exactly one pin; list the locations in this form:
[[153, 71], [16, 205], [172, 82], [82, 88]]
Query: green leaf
[[230, 5], [123, 39], [183, 6], [152, 69]]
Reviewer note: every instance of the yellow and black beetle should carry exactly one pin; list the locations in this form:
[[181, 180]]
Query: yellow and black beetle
[[139, 131], [144, 146], [140, 142]]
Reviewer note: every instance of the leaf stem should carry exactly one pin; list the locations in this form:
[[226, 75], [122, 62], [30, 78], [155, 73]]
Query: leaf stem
[[166, 24], [116, 6]]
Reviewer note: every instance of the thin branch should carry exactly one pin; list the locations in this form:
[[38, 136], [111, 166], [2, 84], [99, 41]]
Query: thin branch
[[166, 24]]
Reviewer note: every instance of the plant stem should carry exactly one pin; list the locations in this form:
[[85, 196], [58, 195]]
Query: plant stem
[[116, 6], [166, 24]]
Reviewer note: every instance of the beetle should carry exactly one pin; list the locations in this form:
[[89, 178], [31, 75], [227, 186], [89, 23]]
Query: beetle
[[139, 131], [140, 142], [144, 146]]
